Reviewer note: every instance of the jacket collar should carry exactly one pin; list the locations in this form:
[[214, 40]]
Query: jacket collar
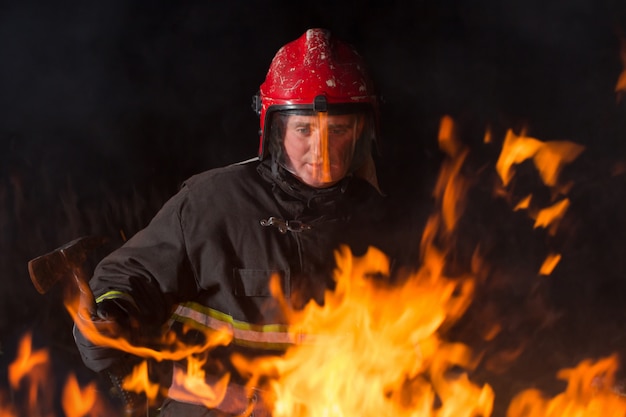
[[289, 184]]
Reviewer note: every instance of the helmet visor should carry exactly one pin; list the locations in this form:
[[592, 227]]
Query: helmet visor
[[316, 147]]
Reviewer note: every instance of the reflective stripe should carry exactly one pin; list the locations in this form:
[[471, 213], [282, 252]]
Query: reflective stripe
[[112, 295], [272, 336]]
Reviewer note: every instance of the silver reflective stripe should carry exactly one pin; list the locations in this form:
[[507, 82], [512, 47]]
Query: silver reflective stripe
[[271, 335]]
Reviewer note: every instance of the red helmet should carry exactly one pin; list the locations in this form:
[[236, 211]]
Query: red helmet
[[316, 72]]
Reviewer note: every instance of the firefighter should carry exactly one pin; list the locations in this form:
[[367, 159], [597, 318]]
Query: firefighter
[[206, 259]]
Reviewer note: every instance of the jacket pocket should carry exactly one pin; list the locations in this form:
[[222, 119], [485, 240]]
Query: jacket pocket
[[256, 282]]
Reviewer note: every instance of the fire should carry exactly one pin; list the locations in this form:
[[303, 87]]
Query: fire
[[550, 216], [195, 382], [377, 348], [30, 376], [589, 393], [621, 81], [77, 401], [548, 157], [139, 381], [172, 348], [451, 186], [30, 371], [549, 264], [6, 409], [378, 345]]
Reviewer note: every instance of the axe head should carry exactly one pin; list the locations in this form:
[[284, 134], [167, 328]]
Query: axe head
[[60, 265]]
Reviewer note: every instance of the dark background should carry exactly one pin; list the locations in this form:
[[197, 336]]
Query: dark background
[[105, 107]]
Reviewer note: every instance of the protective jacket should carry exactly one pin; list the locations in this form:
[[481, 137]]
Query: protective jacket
[[207, 257]]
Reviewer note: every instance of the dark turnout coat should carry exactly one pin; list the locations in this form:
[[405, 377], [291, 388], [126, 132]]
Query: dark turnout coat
[[207, 257]]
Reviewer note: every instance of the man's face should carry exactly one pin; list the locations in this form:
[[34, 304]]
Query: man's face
[[319, 148]]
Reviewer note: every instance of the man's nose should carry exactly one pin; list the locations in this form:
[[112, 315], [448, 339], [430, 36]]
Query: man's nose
[[315, 143]]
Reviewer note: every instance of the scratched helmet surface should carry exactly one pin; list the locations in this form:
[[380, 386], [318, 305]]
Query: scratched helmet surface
[[314, 73]]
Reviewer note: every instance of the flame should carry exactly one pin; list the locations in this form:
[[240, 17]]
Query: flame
[[550, 263], [450, 187], [194, 380], [589, 393], [488, 138], [77, 401], [524, 203], [548, 157], [515, 150], [31, 372], [139, 381], [375, 348], [6, 409], [27, 362], [173, 348], [549, 217], [31, 369], [621, 81]]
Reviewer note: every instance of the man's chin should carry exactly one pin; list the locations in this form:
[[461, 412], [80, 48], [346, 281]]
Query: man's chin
[[316, 183]]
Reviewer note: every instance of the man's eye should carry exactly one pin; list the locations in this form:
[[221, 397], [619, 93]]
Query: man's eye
[[338, 131], [303, 130]]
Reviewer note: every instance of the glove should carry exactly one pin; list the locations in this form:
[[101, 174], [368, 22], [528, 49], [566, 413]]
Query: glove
[[112, 318]]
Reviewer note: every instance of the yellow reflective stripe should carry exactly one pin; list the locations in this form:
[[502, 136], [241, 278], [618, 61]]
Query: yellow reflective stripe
[[273, 336], [112, 295]]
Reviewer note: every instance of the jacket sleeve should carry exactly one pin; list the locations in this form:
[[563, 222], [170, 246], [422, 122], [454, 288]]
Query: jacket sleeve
[[152, 269]]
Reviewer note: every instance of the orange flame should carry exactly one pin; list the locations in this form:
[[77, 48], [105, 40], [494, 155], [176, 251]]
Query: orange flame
[[621, 81], [450, 187], [550, 263], [196, 388], [175, 349], [79, 402], [549, 217], [524, 203], [6, 409], [32, 369], [549, 157], [375, 348], [139, 381], [27, 362], [488, 136], [31, 372], [589, 393]]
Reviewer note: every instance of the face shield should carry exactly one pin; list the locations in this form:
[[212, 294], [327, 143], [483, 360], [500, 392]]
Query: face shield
[[319, 148]]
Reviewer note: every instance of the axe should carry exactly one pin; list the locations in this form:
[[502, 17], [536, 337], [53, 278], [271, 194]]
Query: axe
[[65, 265]]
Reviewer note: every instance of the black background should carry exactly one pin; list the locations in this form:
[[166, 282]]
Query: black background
[[105, 107]]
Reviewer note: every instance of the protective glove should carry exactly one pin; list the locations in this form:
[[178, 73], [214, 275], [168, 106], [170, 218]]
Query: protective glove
[[112, 318]]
